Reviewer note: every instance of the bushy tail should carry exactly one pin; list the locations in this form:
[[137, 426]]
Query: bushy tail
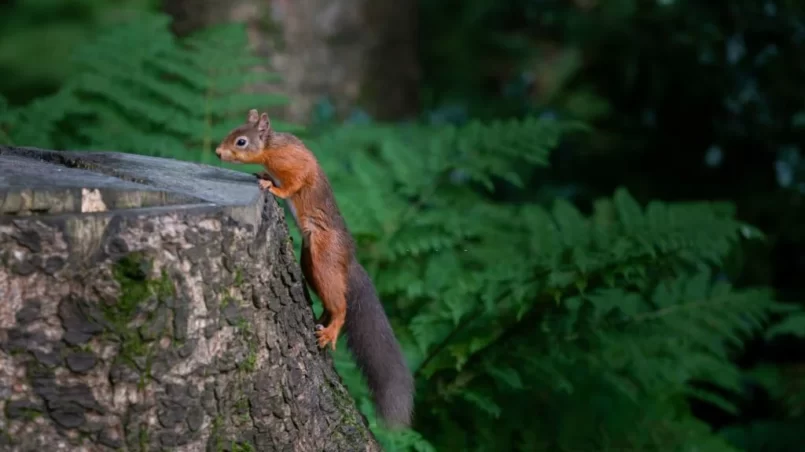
[[372, 343]]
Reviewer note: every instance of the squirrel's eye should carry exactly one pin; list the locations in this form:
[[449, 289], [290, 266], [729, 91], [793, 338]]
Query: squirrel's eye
[[241, 142]]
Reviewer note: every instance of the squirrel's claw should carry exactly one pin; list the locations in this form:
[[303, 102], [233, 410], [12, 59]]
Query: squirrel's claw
[[326, 336], [265, 184]]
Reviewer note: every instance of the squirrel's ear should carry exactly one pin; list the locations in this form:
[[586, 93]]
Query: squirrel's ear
[[264, 126], [253, 117]]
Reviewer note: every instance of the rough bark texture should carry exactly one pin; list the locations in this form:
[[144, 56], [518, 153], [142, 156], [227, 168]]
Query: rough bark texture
[[152, 304], [352, 52]]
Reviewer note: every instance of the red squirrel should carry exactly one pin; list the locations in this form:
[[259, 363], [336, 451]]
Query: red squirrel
[[328, 261]]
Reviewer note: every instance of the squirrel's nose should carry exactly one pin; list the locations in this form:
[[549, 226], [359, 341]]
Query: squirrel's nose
[[218, 152]]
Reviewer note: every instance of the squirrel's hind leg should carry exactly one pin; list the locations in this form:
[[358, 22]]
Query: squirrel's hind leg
[[307, 271], [325, 267]]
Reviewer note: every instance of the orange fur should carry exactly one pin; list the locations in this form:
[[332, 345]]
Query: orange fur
[[296, 176], [325, 267]]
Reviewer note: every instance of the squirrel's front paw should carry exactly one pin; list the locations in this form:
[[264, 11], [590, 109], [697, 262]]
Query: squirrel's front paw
[[265, 184]]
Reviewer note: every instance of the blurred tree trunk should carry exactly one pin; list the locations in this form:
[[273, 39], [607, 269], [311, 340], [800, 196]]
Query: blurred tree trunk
[[354, 53]]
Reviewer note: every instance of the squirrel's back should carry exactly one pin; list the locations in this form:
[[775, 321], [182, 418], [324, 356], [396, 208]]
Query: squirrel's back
[[371, 341]]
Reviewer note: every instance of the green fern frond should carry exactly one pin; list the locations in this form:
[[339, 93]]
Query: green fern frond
[[793, 324], [480, 289], [167, 97]]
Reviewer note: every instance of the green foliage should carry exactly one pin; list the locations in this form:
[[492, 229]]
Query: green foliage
[[139, 89], [768, 435], [793, 324], [38, 37], [605, 323], [689, 100], [783, 431]]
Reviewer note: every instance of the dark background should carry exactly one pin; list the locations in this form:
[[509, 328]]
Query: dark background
[[683, 101]]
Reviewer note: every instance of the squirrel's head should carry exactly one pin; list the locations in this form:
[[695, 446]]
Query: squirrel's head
[[245, 143]]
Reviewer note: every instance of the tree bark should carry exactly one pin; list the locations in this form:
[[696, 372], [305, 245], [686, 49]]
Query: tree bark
[[354, 53], [153, 304]]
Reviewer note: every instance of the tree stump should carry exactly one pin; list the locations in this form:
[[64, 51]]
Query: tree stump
[[151, 304]]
